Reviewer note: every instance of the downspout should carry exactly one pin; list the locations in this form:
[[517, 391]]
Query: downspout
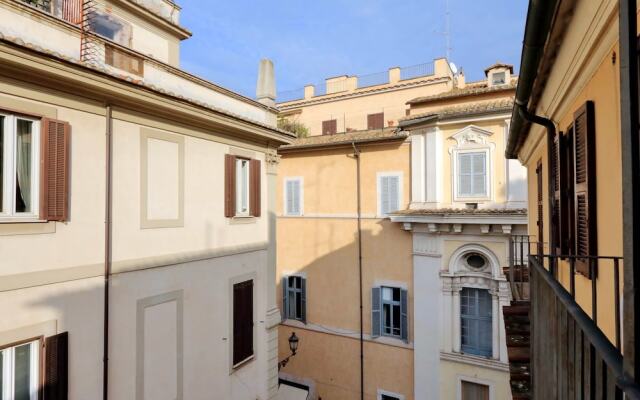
[[551, 134], [356, 155], [107, 250]]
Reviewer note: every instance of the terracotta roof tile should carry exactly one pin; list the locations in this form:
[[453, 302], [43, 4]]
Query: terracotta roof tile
[[470, 90], [461, 211], [498, 65], [137, 82], [464, 109], [345, 138]]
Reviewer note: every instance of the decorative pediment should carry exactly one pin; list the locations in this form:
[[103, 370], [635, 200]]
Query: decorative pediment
[[472, 135]]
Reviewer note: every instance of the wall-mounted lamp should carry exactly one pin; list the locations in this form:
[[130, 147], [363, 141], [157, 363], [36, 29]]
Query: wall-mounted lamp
[[293, 346]]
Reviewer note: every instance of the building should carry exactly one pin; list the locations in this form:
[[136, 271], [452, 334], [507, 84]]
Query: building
[[575, 128], [368, 215], [137, 252]]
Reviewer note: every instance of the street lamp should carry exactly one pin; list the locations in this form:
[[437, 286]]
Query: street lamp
[[293, 346]]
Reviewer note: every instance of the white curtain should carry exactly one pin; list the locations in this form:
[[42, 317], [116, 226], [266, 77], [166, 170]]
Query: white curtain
[[23, 162]]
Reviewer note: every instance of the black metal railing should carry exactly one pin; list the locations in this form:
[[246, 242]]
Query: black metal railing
[[571, 356], [518, 274]]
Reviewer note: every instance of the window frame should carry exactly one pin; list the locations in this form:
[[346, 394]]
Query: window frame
[[380, 176], [470, 350], [7, 212], [392, 303], [300, 181], [478, 381], [232, 282], [493, 78], [292, 292], [382, 392], [35, 361], [239, 162], [456, 174]]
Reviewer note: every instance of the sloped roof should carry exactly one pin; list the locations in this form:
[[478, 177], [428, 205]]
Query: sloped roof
[[471, 89], [486, 107], [498, 65], [461, 211], [341, 139]]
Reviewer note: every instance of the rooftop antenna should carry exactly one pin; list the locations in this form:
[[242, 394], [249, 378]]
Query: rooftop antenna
[[447, 30]]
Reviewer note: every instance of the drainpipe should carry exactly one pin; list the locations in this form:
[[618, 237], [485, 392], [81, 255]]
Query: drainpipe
[[107, 250], [356, 155], [551, 134]]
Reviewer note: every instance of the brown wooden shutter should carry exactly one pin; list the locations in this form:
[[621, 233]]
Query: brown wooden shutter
[[585, 185], [540, 216], [54, 166], [375, 121], [329, 127], [559, 169], [242, 321], [229, 185], [569, 231], [56, 367], [254, 189]]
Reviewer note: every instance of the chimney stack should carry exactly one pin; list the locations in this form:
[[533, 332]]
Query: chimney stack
[[461, 82], [266, 89]]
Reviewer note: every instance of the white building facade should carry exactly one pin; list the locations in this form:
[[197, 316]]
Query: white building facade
[[137, 254]]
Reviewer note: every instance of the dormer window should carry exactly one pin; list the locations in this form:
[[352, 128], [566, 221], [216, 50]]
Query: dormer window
[[498, 78]]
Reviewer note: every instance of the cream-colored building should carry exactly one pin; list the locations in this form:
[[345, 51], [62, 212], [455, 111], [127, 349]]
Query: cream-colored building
[[426, 239], [137, 252]]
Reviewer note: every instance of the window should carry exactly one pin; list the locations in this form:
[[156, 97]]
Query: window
[[111, 27], [329, 127], [385, 395], [293, 196], [388, 397], [499, 78], [19, 166], [472, 174], [389, 192], [295, 298], [242, 187], [375, 121], [476, 327], [389, 312], [20, 372], [474, 391], [242, 322]]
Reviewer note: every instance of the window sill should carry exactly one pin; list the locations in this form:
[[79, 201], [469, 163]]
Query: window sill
[[242, 219], [13, 220], [242, 363]]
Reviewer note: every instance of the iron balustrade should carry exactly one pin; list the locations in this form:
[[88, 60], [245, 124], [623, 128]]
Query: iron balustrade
[[378, 78], [416, 71], [571, 356], [290, 95]]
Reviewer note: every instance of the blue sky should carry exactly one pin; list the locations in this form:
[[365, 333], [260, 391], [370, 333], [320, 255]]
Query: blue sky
[[310, 40]]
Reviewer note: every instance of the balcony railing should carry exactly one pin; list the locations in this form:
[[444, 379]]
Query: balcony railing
[[571, 357]]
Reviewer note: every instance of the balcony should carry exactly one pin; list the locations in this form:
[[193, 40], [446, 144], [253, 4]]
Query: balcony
[[556, 349]]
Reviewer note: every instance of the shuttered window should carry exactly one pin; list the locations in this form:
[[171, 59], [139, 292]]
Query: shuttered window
[[293, 196], [476, 327], [122, 60], [294, 295], [472, 174], [56, 367], [585, 185], [474, 391], [389, 193], [539, 209], [242, 181], [389, 312], [34, 168], [375, 121], [242, 322], [329, 127]]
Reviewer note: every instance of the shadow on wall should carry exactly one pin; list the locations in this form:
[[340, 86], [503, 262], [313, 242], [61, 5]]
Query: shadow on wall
[[329, 350]]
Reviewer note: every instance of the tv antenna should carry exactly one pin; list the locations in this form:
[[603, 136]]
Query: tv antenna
[[447, 30]]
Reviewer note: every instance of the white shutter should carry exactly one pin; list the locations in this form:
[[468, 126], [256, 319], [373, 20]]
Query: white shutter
[[384, 195], [289, 197], [479, 174], [464, 174], [394, 183], [296, 197]]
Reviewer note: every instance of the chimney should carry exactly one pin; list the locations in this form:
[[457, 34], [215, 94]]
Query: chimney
[[266, 89], [461, 81]]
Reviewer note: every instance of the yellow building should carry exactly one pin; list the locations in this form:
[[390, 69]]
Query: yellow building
[[575, 128], [404, 251]]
